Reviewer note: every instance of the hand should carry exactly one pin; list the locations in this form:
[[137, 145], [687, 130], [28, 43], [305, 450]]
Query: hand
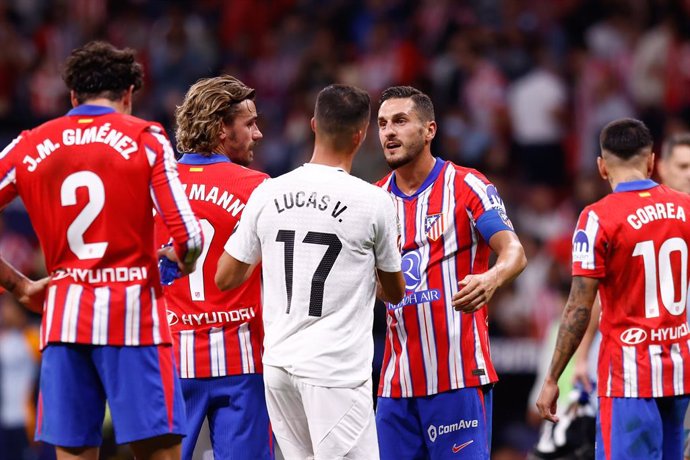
[[546, 402], [475, 291], [169, 252], [33, 294]]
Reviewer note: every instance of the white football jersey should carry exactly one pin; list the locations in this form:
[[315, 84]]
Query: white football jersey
[[320, 234]]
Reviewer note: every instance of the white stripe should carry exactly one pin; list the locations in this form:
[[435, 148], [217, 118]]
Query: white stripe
[[406, 389], [71, 313], [217, 346], [132, 314], [608, 383], [7, 149], [10, 178], [194, 242], [479, 353], [479, 188], [657, 371], [150, 155], [424, 318], [154, 315], [50, 310], [450, 284], [246, 349], [630, 372], [390, 366], [187, 354], [101, 308], [677, 358], [404, 362]]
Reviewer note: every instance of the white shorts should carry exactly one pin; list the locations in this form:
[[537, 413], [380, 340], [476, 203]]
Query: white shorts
[[320, 423]]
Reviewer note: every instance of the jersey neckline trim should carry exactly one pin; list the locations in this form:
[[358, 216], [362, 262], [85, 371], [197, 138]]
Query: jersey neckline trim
[[635, 185], [92, 110], [317, 165], [430, 179], [199, 159]]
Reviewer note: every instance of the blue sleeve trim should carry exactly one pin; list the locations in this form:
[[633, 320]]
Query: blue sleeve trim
[[491, 223]]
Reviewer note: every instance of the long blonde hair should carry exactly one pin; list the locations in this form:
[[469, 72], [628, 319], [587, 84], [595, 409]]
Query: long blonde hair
[[208, 104]]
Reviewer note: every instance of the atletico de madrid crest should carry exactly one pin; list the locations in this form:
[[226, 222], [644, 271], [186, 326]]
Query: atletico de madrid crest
[[434, 226]]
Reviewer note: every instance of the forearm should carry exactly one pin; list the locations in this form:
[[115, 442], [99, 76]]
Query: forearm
[[509, 264], [12, 280], [574, 323]]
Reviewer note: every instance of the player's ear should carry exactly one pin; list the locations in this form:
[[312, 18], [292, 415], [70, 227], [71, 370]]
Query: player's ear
[[650, 164], [73, 98], [601, 165], [313, 124], [431, 130]]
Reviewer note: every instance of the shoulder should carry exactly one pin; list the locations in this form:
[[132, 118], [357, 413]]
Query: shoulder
[[384, 181]]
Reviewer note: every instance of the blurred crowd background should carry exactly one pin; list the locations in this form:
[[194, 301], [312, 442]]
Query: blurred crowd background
[[521, 89]]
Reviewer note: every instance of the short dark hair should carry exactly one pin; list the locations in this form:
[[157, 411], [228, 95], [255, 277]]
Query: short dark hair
[[423, 105], [625, 138], [340, 111], [672, 142], [98, 69]]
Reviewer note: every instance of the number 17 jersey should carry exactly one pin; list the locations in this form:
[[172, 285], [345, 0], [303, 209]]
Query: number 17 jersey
[[635, 241], [320, 233]]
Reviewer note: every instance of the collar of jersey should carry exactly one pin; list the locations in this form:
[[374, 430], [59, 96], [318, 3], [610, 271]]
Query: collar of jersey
[[435, 171], [91, 110], [635, 185], [199, 159], [317, 165]]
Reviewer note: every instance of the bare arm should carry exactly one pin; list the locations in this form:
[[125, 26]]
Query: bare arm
[[231, 272], [30, 293], [581, 373], [574, 323], [477, 289], [390, 286]]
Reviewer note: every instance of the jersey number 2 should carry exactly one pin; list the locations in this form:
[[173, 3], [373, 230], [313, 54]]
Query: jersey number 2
[[659, 277], [318, 281], [76, 230]]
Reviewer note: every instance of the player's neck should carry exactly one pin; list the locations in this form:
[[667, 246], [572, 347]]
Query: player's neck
[[625, 175], [328, 157], [118, 106], [411, 176]]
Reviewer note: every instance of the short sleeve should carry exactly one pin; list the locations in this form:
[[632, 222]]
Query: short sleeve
[[8, 171], [244, 244], [387, 235], [485, 204], [589, 246]]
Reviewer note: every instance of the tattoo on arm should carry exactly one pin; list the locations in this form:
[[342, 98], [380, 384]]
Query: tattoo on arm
[[573, 323], [10, 278]]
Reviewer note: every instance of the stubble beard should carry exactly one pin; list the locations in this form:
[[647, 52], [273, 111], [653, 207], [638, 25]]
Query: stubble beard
[[406, 156]]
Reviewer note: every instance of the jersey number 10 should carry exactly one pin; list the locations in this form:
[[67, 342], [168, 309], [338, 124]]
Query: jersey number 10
[[658, 276]]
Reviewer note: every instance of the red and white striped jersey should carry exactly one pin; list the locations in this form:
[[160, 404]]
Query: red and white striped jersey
[[215, 333], [635, 241], [430, 347], [89, 181]]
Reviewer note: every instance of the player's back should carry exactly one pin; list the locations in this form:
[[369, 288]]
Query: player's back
[[319, 230], [86, 180], [636, 241], [216, 332]]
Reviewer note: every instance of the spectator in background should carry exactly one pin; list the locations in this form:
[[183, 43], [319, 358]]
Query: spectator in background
[[537, 108], [19, 356], [219, 356]]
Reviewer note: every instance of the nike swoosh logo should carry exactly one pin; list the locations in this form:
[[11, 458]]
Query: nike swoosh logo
[[457, 449]]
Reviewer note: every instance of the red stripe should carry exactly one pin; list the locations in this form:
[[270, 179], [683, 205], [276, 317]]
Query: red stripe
[[85, 318], [167, 380], [606, 416], [39, 413]]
